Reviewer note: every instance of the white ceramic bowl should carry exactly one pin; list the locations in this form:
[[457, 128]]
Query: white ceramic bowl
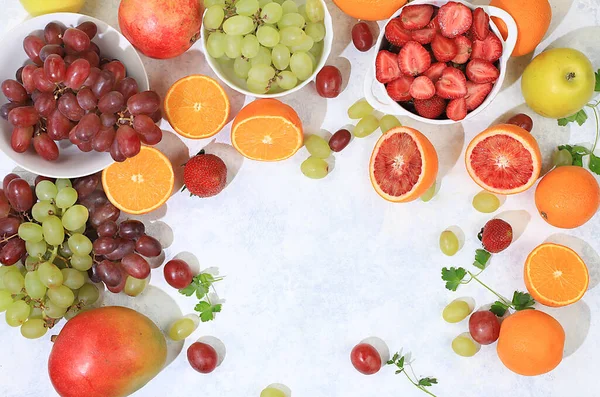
[[72, 162], [227, 75], [378, 97]]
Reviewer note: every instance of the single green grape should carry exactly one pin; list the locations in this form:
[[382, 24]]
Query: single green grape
[[360, 109], [267, 36], [317, 146], [238, 24], [247, 7], [14, 282], [46, 190], [262, 58], [210, 3], [34, 328], [134, 286], [36, 249], [429, 194], [32, 262], [388, 122], [61, 296], [449, 243], [17, 313], [291, 35], [287, 80], [257, 87], [272, 392], [271, 13], [280, 57], [241, 67], [562, 157], [63, 183], [366, 126], [50, 275], [73, 278], [64, 250], [261, 73], [42, 210], [66, 198], [33, 286], [302, 11], [233, 46], [31, 232], [293, 20], [316, 51], [182, 328], [486, 202], [314, 168], [216, 44], [316, 31], [456, 311], [306, 44], [4, 270], [82, 262], [80, 244], [315, 10], [53, 230], [213, 17], [465, 346], [88, 294], [75, 218], [250, 46], [289, 6], [36, 312], [53, 310], [71, 312], [301, 65], [5, 299]]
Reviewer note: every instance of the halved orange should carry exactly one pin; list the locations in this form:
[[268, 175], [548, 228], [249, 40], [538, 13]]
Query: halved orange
[[504, 159], [267, 130], [555, 275], [197, 107], [139, 184], [404, 164]]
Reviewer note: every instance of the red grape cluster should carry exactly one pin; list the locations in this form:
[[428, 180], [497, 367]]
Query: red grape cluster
[[16, 197], [71, 92]]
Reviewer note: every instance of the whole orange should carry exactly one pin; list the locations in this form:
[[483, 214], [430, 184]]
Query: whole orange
[[531, 342], [567, 197], [533, 19], [370, 10]]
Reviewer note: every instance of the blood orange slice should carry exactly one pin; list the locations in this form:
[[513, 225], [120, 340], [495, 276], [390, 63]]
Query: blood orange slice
[[404, 164], [504, 159]]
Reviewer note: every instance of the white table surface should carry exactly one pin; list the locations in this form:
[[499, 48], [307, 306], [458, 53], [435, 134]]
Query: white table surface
[[313, 267]]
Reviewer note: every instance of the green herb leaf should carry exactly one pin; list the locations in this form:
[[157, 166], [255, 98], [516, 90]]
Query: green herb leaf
[[597, 89], [453, 277], [401, 362], [189, 290], [594, 164], [427, 381], [579, 117], [499, 308], [202, 306], [481, 258], [577, 153], [522, 301]]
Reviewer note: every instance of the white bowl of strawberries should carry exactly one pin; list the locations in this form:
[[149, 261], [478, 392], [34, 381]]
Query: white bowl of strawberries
[[440, 61]]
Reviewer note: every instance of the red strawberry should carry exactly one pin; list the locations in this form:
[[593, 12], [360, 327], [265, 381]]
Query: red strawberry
[[480, 71], [423, 36], [455, 19], [416, 17], [452, 84], [386, 67], [413, 59], [457, 109], [464, 50], [489, 49], [496, 235], [435, 71], [435, 24], [431, 108], [481, 24], [444, 49], [399, 89], [205, 175], [422, 88], [396, 34], [476, 94]]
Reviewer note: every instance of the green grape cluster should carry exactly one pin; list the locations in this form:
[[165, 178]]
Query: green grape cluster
[[273, 44]]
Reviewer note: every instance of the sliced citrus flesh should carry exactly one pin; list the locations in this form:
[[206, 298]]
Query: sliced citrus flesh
[[267, 130], [139, 184], [404, 165], [555, 275], [504, 159], [197, 107]]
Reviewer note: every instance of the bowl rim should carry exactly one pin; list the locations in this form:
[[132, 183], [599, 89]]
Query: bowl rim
[[59, 17], [507, 49], [327, 45]]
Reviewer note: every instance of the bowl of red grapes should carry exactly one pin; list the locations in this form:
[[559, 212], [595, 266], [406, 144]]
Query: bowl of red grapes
[[75, 97]]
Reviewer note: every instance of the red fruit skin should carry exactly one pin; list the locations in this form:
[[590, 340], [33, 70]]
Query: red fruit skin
[[177, 276], [161, 29], [413, 59], [484, 327], [205, 175], [454, 19], [476, 94], [457, 109], [399, 89], [444, 49], [489, 49], [481, 24], [465, 46], [423, 36], [202, 357], [386, 67], [480, 71], [365, 359], [431, 108], [452, 84], [107, 352], [496, 235], [396, 34], [435, 71]]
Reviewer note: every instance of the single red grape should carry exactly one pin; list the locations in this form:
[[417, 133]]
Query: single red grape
[[329, 82], [522, 120], [366, 359], [202, 357], [178, 273], [484, 327], [362, 37]]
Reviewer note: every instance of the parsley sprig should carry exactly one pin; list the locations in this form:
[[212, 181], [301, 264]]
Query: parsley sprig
[[578, 152], [201, 286], [402, 364]]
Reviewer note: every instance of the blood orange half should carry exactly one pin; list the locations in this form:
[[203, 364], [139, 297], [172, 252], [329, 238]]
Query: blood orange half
[[404, 164], [504, 159]]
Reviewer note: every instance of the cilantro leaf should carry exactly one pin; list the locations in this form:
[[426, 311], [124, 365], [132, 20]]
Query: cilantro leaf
[[189, 290], [453, 277], [577, 153], [579, 117], [522, 301], [499, 308], [207, 311], [594, 164], [481, 258], [597, 89], [401, 362], [427, 381], [202, 306]]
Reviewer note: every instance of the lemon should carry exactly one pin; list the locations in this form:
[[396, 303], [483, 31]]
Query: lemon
[[39, 7]]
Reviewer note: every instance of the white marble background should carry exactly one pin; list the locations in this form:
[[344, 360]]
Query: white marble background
[[313, 267]]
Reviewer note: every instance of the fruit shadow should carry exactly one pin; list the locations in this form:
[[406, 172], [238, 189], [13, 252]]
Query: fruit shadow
[[190, 259], [575, 320], [311, 108], [584, 40], [230, 156], [157, 305], [342, 30], [345, 68], [178, 154], [560, 9], [589, 256], [548, 134], [518, 220]]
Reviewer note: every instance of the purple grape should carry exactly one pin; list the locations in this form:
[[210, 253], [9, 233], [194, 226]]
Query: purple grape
[[88, 127], [108, 119], [20, 139], [107, 229], [76, 39], [104, 84], [104, 245], [86, 185], [45, 104], [24, 116], [12, 251], [146, 102], [86, 99], [103, 140], [78, 73], [124, 247], [131, 229], [14, 91], [128, 87], [128, 141], [50, 49], [148, 246], [103, 213], [68, 106], [135, 266], [89, 28], [109, 272], [111, 102], [58, 126], [9, 226]]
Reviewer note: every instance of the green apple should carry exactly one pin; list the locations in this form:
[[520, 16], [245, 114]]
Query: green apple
[[558, 82]]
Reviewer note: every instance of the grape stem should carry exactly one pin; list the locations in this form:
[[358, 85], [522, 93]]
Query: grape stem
[[5, 239]]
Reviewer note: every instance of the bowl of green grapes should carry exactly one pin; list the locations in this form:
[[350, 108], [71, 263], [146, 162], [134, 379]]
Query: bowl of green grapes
[[266, 48]]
